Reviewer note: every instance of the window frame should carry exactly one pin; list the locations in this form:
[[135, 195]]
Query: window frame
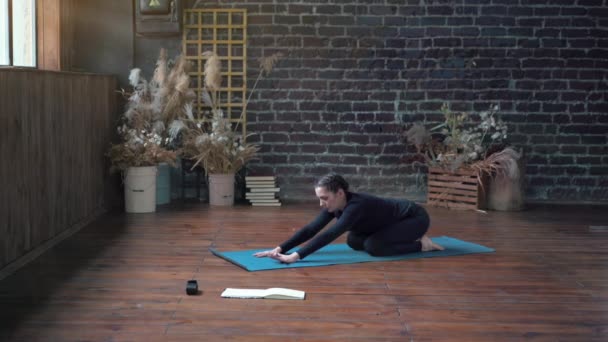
[[11, 54]]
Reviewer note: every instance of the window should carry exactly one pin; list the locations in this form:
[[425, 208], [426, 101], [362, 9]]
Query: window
[[18, 32]]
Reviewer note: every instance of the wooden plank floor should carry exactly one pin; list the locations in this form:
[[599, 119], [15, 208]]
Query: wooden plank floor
[[123, 278]]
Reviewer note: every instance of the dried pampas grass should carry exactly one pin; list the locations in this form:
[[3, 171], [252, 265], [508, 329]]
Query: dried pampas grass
[[180, 69], [266, 66], [148, 128], [418, 135], [175, 128], [189, 111], [177, 89], [134, 76], [164, 98], [214, 144], [502, 163], [160, 73], [217, 151], [207, 99], [267, 63], [213, 75]]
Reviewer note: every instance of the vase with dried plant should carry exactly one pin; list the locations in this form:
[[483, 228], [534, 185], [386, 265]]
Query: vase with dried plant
[[472, 145], [214, 142], [152, 107]]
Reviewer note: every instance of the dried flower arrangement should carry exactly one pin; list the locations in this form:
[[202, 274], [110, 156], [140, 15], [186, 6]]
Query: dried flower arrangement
[[217, 149], [461, 142], [139, 148], [215, 144], [153, 108]]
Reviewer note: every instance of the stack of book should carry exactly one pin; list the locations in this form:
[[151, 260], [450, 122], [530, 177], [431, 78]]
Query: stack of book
[[262, 191]]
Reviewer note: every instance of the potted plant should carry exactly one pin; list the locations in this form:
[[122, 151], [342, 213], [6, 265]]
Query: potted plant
[[213, 142], [156, 106], [147, 147], [136, 156], [467, 145]]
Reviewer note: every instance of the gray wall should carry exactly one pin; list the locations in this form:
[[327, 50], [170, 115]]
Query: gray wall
[[104, 38]]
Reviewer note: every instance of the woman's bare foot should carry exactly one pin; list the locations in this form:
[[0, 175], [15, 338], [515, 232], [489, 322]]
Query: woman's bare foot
[[428, 245]]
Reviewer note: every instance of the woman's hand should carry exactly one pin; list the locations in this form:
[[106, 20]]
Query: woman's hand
[[268, 253], [287, 259]]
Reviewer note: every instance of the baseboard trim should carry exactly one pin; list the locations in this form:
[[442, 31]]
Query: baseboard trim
[[45, 246]]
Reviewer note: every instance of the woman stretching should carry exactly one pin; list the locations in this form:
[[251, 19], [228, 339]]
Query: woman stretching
[[378, 226]]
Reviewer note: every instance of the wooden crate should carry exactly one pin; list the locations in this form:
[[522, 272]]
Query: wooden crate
[[456, 190]]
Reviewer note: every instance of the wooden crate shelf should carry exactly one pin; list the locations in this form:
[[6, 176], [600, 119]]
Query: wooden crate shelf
[[456, 190]]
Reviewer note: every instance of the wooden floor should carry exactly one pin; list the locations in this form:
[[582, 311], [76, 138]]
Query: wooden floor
[[123, 278]]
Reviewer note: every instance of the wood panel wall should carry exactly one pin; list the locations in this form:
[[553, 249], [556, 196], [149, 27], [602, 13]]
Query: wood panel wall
[[54, 130], [55, 34]]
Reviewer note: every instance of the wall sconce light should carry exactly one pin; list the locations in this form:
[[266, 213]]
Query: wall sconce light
[[158, 17]]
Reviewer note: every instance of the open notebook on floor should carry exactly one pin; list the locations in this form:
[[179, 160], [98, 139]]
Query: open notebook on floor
[[271, 293]]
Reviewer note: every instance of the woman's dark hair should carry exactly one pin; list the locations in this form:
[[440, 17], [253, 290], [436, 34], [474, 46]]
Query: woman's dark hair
[[332, 182]]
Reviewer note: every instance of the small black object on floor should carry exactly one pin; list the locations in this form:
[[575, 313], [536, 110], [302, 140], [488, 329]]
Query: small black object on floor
[[192, 287]]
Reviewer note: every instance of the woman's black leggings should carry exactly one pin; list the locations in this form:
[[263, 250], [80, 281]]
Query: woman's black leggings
[[398, 238]]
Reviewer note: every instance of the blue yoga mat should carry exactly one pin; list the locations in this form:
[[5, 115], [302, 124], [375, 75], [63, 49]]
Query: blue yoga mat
[[335, 254]]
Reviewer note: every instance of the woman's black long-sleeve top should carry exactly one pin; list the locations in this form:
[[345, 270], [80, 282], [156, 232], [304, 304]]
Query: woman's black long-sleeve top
[[363, 213]]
